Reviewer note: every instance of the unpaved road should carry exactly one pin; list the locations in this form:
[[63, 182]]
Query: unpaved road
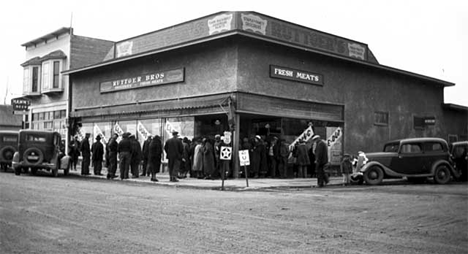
[[41, 214]]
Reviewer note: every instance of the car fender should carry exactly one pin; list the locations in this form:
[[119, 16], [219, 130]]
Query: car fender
[[438, 163], [15, 162], [387, 171]]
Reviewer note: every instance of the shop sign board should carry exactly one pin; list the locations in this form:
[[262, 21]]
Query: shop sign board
[[20, 104], [244, 158], [296, 75], [145, 80]]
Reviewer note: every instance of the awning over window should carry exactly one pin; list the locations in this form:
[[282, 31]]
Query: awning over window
[[188, 104]]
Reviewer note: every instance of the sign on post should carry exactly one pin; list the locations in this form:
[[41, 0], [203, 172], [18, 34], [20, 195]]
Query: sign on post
[[226, 152], [244, 157]]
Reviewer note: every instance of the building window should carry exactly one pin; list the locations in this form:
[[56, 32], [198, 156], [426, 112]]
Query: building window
[[35, 79], [46, 76], [381, 118], [56, 75]]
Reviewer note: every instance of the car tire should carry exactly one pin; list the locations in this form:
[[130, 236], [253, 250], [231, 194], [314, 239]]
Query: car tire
[[358, 179], [374, 175], [7, 153], [442, 175], [39, 154]]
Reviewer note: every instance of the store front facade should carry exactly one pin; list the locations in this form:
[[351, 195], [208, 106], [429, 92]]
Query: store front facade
[[250, 74]]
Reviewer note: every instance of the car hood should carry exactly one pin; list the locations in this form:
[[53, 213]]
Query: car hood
[[382, 157]]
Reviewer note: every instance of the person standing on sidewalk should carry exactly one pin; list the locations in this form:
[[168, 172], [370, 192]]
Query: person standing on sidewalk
[[144, 154], [125, 155], [136, 156], [174, 150], [302, 159], [155, 151], [86, 153], [321, 160], [98, 151], [112, 156]]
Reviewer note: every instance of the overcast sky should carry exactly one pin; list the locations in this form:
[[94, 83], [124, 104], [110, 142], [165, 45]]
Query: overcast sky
[[427, 37]]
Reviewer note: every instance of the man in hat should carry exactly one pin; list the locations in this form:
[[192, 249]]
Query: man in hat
[[98, 151], [174, 150], [321, 160], [111, 151], [145, 151], [125, 155], [86, 153], [136, 156]]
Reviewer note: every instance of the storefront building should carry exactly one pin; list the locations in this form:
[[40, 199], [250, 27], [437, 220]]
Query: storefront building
[[45, 86], [252, 74]]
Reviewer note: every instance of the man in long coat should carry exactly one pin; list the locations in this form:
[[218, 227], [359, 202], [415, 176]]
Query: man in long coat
[[321, 159], [86, 153], [155, 151], [98, 151], [112, 156], [136, 156], [174, 150], [124, 149], [144, 155]]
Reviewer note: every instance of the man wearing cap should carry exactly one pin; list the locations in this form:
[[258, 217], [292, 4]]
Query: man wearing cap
[[321, 159], [174, 150], [145, 151], [98, 151], [86, 153]]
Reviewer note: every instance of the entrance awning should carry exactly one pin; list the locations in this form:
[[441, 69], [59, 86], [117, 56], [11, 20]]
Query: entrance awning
[[188, 105]]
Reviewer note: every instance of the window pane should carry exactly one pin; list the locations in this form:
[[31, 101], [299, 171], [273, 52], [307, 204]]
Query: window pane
[[57, 114], [56, 80], [35, 79], [45, 76]]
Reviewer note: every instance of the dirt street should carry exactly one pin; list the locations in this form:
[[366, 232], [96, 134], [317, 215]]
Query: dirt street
[[42, 214]]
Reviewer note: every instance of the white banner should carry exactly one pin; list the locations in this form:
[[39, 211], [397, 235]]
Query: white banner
[[336, 135], [97, 131], [169, 128], [142, 130], [306, 135]]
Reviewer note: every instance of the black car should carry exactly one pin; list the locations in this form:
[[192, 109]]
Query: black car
[[8, 147], [415, 159], [460, 158], [40, 150]]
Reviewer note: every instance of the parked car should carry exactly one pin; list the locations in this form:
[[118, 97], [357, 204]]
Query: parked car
[[8, 147], [460, 158], [40, 150], [414, 158]]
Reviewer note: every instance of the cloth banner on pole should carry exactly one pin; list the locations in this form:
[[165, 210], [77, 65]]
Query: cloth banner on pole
[[306, 135], [142, 130], [97, 131]]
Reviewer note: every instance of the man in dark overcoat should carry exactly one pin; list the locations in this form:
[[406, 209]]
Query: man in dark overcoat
[[174, 150], [155, 151], [321, 160], [136, 156], [124, 149], [144, 154], [86, 153], [111, 151], [98, 152]]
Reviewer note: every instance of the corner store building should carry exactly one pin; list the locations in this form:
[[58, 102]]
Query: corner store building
[[257, 75]]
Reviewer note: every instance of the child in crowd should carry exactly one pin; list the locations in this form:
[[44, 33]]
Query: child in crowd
[[346, 168]]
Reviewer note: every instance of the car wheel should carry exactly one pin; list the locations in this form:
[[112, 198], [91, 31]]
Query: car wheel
[[374, 175], [33, 156], [356, 179], [442, 175], [33, 171], [7, 153]]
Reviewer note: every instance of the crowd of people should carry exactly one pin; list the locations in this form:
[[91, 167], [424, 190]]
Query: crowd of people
[[200, 157]]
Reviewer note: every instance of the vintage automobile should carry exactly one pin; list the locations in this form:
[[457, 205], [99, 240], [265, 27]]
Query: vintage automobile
[[459, 151], [40, 150], [416, 159], [8, 147]]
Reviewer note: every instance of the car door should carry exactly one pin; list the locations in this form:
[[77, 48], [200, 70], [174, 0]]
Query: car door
[[409, 160]]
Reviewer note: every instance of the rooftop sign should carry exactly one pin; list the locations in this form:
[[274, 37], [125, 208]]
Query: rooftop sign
[[246, 22]]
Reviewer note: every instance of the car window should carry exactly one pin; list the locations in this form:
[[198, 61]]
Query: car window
[[410, 148], [459, 152], [10, 139], [391, 147], [433, 147], [35, 138]]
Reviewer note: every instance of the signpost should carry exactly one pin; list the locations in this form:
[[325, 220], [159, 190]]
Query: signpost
[[226, 152], [245, 161]]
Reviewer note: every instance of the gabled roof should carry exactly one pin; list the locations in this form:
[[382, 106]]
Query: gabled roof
[[45, 38]]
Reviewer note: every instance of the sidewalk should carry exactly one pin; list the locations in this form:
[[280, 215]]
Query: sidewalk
[[239, 184]]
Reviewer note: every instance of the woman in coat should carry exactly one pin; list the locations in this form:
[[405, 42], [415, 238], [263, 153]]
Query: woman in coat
[[197, 167]]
